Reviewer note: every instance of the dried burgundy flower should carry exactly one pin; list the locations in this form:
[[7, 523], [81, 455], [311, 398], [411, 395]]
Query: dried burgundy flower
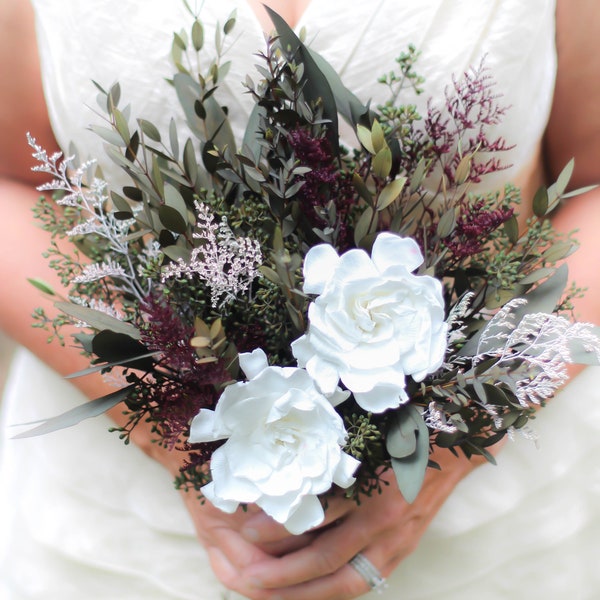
[[474, 225], [323, 183], [471, 107], [182, 385]]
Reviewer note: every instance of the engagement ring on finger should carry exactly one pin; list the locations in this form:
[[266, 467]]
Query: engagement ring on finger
[[365, 568]]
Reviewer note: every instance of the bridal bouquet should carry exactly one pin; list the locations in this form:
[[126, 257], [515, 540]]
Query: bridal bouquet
[[299, 316]]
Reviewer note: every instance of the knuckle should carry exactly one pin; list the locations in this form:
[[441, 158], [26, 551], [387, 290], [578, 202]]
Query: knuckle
[[328, 562]]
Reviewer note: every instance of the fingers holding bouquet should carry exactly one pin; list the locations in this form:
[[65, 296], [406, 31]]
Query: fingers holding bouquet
[[383, 530]]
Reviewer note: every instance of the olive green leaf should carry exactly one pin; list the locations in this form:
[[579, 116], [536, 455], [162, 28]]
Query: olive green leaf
[[316, 87], [97, 319], [76, 415]]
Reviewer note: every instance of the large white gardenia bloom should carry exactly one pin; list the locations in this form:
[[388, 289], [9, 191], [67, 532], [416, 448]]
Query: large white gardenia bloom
[[283, 447], [373, 321]]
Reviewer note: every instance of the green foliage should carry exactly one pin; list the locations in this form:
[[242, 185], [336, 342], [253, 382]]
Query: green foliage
[[289, 186]]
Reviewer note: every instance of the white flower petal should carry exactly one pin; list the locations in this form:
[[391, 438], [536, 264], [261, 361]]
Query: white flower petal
[[344, 473], [358, 380], [390, 250], [309, 514], [375, 322], [338, 396], [252, 363], [324, 373], [284, 447], [228, 506], [302, 350], [353, 265], [381, 398], [319, 264], [205, 428]]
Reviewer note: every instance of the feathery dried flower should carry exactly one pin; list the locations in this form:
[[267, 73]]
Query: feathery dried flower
[[436, 419], [540, 346], [227, 264], [96, 271]]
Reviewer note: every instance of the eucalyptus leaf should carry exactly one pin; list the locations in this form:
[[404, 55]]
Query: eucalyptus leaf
[[348, 105], [101, 367], [108, 135], [377, 137], [316, 86], [251, 135], [447, 223], [189, 161], [172, 219], [229, 24], [546, 296], [79, 413], [537, 275], [177, 253], [179, 41], [390, 193], [120, 203], [581, 354], [114, 96], [579, 191], [97, 319], [270, 274], [540, 202], [41, 285], [463, 170], [133, 193], [382, 162], [149, 129], [197, 35], [112, 347], [401, 438], [559, 250], [364, 137], [361, 188], [565, 176], [418, 175], [410, 471], [365, 226], [175, 200], [511, 228], [121, 125], [173, 137]]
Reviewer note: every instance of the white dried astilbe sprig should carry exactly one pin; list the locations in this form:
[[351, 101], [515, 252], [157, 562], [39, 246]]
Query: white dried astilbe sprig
[[90, 200], [227, 264], [97, 271], [455, 320], [537, 350], [436, 419], [525, 432]]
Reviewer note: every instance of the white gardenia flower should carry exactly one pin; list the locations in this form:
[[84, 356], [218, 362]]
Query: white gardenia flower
[[373, 322], [283, 447]]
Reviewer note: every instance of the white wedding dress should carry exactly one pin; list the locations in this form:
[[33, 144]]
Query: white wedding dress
[[82, 516]]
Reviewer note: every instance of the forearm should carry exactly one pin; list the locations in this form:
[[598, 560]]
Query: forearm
[[21, 245]]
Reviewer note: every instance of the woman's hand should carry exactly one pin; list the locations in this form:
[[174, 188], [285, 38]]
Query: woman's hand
[[246, 548]]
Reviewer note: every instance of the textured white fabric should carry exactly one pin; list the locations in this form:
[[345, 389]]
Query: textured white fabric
[[84, 517]]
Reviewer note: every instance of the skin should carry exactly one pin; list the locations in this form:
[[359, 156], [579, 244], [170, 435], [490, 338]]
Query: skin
[[248, 551]]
